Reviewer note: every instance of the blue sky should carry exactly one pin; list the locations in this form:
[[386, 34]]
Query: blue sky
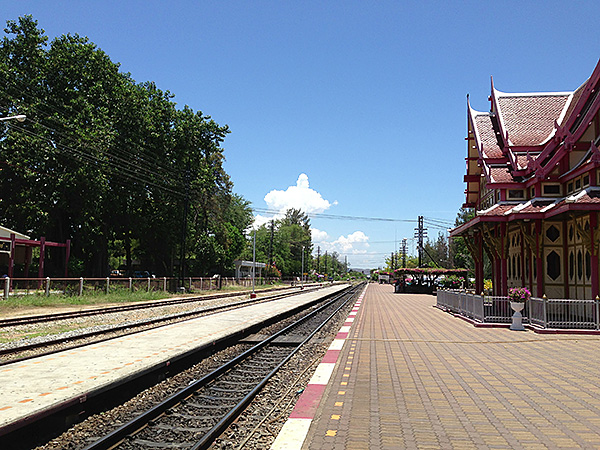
[[353, 109]]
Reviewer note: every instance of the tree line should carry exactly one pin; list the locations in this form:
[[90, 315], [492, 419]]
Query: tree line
[[112, 164]]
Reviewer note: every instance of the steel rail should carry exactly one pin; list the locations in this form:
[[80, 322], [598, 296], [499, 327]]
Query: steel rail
[[158, 320], [112, 439], [98, 311]]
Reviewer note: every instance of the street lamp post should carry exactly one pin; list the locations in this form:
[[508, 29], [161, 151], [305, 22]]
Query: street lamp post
[[18, 117]]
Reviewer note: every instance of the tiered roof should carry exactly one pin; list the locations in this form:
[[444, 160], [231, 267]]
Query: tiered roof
[[525, 138]]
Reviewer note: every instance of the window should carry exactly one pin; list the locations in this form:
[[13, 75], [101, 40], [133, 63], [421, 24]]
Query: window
[[553, 265], [570, 187], [515, 194], [578, 184], [586, 180], [551, 189]]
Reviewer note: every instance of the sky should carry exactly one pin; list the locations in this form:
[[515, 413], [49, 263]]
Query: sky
[[353, 111]]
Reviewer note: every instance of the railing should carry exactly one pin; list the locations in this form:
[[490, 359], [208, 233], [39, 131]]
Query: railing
[[79, 286], [542, 312]]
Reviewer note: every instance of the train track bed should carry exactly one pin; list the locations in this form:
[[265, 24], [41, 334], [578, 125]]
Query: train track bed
[[28, 340], [268, 410]]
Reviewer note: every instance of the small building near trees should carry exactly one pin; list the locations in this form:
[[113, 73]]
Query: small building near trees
[[16, 248], [533, 179]]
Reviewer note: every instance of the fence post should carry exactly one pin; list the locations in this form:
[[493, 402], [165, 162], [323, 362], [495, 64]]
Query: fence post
[[80, 286], [6, 287], [148, 284], [164, 284], [47, 286], [190, 284], [597, 302], [107, 285], [545, 310]]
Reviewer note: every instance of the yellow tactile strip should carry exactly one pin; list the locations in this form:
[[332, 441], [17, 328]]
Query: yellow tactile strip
[[420, 378]]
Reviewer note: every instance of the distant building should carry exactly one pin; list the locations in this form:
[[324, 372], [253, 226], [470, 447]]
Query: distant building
[[533, 178], [363, 271], [243, 269]]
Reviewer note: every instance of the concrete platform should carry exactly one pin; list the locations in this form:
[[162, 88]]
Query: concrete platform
[[409, 375], [38, 385]]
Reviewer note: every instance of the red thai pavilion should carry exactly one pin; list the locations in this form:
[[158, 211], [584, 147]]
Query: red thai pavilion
[[533, 178]]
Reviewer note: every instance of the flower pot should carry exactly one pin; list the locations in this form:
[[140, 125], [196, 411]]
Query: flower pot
[[517, 317]]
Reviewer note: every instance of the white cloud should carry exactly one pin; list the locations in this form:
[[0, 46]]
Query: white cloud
[[318, 235], [300, 197], [356, 242]]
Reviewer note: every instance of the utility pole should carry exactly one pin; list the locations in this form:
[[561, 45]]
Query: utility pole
[[186, 204], [420, 233], [404, 252], [271, 244], [319, 259]]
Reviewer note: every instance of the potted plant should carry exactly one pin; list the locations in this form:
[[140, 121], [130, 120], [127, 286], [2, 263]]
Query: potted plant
[[518, 297]]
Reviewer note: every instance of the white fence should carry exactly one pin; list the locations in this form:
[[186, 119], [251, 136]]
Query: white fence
[[542, 312], [78, 286]]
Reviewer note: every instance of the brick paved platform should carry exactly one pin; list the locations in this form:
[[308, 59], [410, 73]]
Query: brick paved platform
[[412, 376]]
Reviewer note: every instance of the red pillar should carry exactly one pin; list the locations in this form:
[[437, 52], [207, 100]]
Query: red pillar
[[479, 275], [503, 260]]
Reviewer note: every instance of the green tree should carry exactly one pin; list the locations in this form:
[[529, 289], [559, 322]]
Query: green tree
[[109, 163]]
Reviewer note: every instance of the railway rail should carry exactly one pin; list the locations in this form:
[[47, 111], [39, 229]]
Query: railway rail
[[41, 318], [194, 417], [18, 353]]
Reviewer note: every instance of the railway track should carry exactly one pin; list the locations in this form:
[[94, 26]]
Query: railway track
[[196, 415], [36, 349], [45, 318]]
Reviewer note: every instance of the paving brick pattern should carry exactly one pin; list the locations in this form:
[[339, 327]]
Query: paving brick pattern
[[412, 376]]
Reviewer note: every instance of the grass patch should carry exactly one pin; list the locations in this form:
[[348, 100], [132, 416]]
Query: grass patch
[[39, 300]]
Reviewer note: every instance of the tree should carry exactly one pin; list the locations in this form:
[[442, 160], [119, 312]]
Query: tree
[[286, 241], [109, 163]]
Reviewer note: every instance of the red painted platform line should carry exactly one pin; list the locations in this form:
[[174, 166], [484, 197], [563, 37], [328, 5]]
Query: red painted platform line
[[295, 430]]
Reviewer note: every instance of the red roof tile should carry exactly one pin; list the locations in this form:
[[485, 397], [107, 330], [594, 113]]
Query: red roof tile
[[529, 118], [500, 175], [487, 136]]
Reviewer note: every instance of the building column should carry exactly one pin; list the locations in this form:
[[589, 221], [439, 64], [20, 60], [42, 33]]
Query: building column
[[595, 254], [479, 274], [503, 260]]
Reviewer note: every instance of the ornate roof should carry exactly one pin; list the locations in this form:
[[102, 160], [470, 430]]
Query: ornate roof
[[528, 119]]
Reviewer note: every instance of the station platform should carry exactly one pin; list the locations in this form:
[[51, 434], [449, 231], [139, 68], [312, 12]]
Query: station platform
[[32, 388], [404, 374]]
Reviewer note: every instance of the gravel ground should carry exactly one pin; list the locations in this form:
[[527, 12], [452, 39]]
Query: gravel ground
[[21, 335], [255, 429]]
